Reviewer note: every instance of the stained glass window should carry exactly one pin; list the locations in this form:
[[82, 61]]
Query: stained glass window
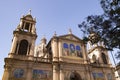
[[42, 75], [98, 76], [18, 73], [78, 51], [109, 76], [72, 48], [65, 45], [77, 47]]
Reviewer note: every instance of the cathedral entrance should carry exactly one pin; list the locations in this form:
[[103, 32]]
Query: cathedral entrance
[[75, 76]]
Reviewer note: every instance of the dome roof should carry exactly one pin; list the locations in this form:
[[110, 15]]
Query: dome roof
[[28, 17]]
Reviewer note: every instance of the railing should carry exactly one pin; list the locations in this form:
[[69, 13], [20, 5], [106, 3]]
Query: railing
[[31, 58], [40, 59], [100, 65]]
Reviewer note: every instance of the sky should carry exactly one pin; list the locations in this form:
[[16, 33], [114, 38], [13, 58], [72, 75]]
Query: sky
[[51, 16]]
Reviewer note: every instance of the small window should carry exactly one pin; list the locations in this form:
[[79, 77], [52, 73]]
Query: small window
[[104, 58], [94, 58]]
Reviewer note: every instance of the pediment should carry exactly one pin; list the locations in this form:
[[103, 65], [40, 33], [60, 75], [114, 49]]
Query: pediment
[[70, 37], [28, 17]]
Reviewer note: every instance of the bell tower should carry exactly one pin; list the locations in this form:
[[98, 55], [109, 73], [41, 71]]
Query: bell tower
[[97, 52], [24, 37], [18, 64]]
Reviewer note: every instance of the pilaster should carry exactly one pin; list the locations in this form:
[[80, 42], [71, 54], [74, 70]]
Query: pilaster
[[29, 71], [60, 50], [14, 43], [61, 72], [55, 72], [7, 72], [55, 49]]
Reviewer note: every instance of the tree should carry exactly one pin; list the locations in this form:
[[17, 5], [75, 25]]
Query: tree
[[106, 25]]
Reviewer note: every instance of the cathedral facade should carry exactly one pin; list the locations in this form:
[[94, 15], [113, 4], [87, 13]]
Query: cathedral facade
[[64, 57]]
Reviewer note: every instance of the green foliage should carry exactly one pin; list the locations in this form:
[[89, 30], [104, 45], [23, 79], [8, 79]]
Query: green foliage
[[106, 25]]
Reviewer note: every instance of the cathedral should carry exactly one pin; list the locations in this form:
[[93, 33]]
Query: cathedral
[[64, 57]]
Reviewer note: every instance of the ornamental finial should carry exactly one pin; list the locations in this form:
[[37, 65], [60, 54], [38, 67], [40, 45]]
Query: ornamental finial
[[70, 31], [55, 34], [29, 11]]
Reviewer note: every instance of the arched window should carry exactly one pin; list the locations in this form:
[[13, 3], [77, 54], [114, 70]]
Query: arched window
[[65, 49], [104, 58], [94, 58], [78, 51], [72, 48], [27, 25], [78, 48], [65, 45], [23, 47]]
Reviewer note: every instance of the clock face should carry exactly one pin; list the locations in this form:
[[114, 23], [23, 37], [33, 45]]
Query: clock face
[[18, 73]]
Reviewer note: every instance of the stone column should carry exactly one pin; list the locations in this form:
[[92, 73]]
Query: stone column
[[33, 29], [90, 73], [87, 73], [24, 24], [55, 49], [61, 72], [104, 74], [29, 72], [60, 50], [30, 27], [55, 72], [31, 49], [7, 73], [14, 43], [28, 49], [21, 24]]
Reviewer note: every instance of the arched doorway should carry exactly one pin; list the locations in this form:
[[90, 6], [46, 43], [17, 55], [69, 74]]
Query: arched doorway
[[75, 76]]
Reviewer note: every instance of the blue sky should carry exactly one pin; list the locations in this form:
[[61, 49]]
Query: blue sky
[[51, 16]]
